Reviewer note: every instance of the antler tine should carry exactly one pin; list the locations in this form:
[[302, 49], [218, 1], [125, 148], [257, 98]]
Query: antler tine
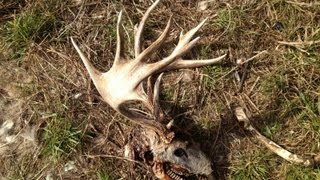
[[182, 64], [184, 39], [156, 91], [93, 72], [184, 45], [156, 44], [119, 51], [139, 29]]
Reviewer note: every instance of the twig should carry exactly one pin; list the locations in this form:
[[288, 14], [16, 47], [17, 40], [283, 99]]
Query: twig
[[115, 157], [299, 43], [254, 85], [253, 57], [311, 4], [246, 62], [251, 102]]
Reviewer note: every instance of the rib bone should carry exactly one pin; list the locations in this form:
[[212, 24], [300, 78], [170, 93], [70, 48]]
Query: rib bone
[[285, 154], [123, 82]]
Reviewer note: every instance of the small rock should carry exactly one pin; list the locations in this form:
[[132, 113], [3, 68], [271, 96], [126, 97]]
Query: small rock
[[77, 95], [69, 166], [203, 5]]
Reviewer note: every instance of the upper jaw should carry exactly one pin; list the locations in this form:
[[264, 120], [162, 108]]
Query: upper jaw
[[168, 171]]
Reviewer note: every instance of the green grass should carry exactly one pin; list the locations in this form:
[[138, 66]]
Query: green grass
[[111, 33], [22, 167], [60, 138], [102, 175], [249, 166], [33, 25], [213, 75], [300, 173], [226, 19], [26, 28], [271, 129]]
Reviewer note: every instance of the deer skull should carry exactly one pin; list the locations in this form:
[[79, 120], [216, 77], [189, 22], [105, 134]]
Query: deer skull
[[123, 83], [178, 159]]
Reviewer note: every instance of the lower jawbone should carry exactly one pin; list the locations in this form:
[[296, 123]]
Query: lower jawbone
[[168, 171]]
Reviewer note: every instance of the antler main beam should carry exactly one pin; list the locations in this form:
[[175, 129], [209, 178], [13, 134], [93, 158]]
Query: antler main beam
[[123, 82]]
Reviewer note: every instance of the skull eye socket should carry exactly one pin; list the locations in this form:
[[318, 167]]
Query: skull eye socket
[[180, 152]]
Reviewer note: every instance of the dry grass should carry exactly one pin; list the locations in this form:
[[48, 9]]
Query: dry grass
[[76, 130]]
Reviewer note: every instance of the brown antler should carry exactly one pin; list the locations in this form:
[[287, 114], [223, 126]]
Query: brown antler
[[123, 82]]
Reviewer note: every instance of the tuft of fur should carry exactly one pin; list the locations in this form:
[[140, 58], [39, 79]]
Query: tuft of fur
[[16, 135]]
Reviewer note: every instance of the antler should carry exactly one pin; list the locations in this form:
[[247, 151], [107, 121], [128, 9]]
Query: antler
[[123, 82]]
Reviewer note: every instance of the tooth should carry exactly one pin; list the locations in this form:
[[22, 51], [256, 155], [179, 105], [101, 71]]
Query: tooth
[[170, 173], [176, 177]]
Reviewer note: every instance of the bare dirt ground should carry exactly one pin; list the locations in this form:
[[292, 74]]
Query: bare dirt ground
[[54, 125]]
